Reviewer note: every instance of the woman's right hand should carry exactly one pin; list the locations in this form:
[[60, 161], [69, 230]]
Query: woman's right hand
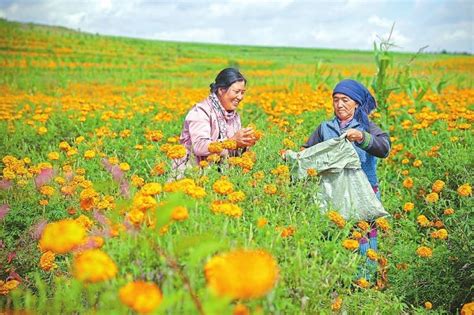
[[244, 137]]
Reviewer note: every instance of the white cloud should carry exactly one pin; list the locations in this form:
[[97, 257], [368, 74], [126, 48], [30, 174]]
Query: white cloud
[[3, 14], [380, 22]]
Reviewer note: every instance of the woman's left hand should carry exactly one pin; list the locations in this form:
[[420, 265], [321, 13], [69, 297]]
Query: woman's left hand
[[354, 135]]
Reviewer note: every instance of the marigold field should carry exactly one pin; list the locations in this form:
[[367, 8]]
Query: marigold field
[[92, 220]]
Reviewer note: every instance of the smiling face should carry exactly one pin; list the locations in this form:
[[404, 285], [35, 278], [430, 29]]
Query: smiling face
[[231, 97], [344, 106]]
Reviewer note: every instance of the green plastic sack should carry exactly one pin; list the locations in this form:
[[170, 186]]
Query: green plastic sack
[[343, 185]]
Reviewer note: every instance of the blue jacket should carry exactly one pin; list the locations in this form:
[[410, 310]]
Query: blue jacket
[[376, 143]]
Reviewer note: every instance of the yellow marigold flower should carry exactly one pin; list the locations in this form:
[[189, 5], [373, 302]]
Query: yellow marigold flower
[[337, 219], [438, 185], [382, 223], [417, 163], [258, 175], [5, 287], [215, 147], [203, 163], [350, 244], [448, 211], [226, 208], [467, 309], [44, 202], [113, 160], [64, 146], [124, 166], [363, 283], [236, 196], [363, 225], [261, 222], [432, 197], [405, 172], [408, 183], [195, 192], [223, 187], [137, 181], [428, 305], [62, 236], [336, 305], [441, 234], [89, 154], [242, 274], [93, 266], [454, 139], [71, 152], [270, 189], [213, 158], [465, 190], [424, 252], [84, 221], [180, 213], [372, 254], [46, 190], [143, 297], [409, 206], [229, 144], [356, 235], [423, 221], [311, 172], [47, 261], [151, 189], [176, 151], [53, 156], [144, 202], [405, 161], [135, 216], [153, 135]]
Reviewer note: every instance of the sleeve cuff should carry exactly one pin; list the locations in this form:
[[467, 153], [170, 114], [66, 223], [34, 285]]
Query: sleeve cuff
[[365, 143]]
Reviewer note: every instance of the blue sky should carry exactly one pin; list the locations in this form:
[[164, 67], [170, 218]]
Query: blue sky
[[348, 24]]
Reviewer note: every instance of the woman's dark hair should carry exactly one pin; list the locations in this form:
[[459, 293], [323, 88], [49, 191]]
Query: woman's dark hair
[[226, 78]]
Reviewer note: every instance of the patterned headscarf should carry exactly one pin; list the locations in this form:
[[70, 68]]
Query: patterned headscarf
[[360, 94]]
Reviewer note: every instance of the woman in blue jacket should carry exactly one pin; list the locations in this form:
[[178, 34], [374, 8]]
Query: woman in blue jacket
[[352, 104]]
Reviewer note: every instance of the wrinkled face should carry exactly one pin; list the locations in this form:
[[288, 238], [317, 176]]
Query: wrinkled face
[[231, 97], [344, 106]]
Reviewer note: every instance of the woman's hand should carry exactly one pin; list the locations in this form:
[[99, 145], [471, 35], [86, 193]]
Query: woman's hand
[[355, 135], [244, 137]]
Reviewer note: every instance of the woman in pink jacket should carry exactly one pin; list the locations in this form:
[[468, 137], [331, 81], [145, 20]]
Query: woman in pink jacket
[[216, 119]]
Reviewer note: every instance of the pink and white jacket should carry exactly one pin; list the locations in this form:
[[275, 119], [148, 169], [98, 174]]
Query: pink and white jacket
[[201, 127]]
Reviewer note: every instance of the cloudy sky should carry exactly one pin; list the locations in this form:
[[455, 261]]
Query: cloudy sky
[[347, 24]]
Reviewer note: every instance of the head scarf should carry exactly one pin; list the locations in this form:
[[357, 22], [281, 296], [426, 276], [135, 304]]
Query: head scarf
[[361, 95], [223, 116]]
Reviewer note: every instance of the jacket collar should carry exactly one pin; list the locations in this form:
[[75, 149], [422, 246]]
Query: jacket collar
[[334, 124]]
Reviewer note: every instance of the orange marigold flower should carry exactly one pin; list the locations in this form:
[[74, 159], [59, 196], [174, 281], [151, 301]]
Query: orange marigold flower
[[7, 286], [448, 211], [432, 197], [47, 261], [287, 232], [242, 274], [424, 251], [337, 219], [143, 297], [261, 222], [135, 216], [438, 185], [311, 172], [467, 309], [89, 154], [93, 266], [336, 304], [440, 234], [223, 187], [382, 223], [428, 305], [409, 206], [465, 190], [53, 156], [270, 189], [408, 183], [62, 236], [229, 144], [356, 235], [241, 309], [350, 244], [226, 208], [180, 213]]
